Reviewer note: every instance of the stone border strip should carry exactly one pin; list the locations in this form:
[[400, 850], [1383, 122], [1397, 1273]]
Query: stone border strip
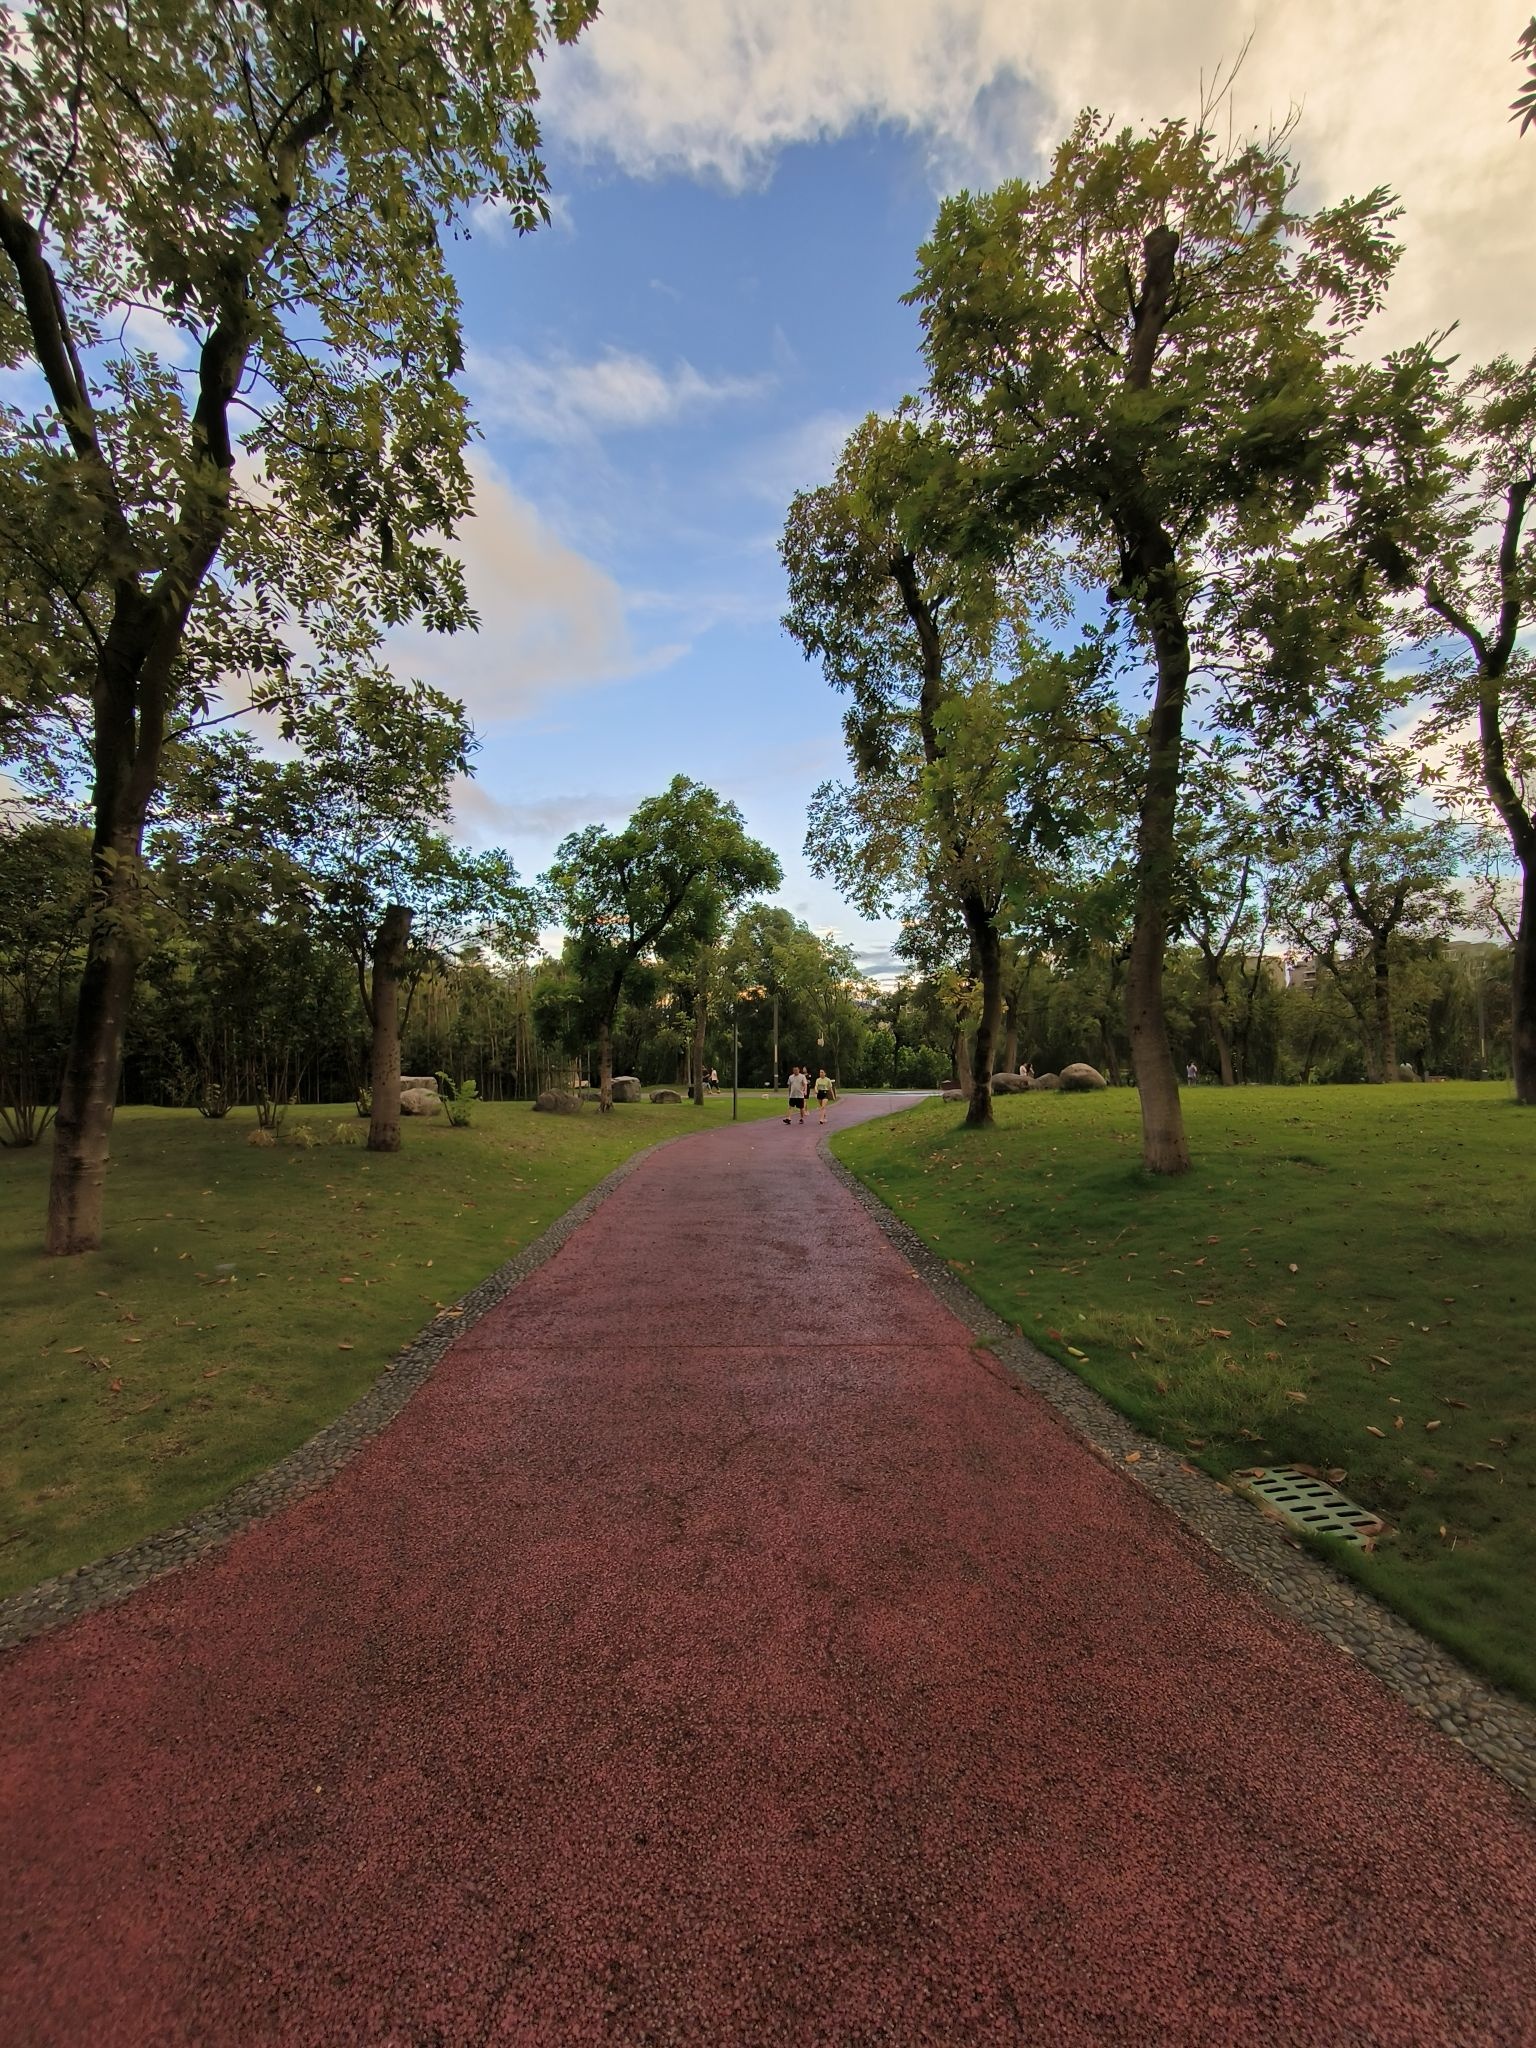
[[1492, 1725], [107, 1580]]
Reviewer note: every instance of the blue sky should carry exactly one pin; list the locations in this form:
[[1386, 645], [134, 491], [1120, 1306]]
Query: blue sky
[[654, 376], [740, 187]]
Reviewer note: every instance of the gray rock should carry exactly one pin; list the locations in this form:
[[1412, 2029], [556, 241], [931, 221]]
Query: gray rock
[[426, 1082], [561, 1101], [665, 1095], [420, 1102], [626, 1088], [954, 1095], [1046, 1081], [1009, 1084], [1080, 1077]]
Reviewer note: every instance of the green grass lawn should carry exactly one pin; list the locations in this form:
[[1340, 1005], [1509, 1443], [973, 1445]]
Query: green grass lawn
[[245, 1296], [1345, 1280]]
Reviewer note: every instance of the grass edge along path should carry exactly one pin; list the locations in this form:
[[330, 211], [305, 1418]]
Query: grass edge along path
[[248, 1296], [1342, 1282]]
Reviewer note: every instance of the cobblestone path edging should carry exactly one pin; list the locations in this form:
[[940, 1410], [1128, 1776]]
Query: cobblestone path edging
[[1495, 1727], [106, 1580]]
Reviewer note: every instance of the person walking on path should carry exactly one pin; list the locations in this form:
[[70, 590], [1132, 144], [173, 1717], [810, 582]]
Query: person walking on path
[[797, 1087], [824, 1093]]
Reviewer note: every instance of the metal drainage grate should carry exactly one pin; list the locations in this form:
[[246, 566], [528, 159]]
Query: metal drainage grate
[[1311, 1503]]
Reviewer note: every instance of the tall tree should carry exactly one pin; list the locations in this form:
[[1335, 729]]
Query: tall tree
[[268, 182], [1479, 590], [967, 738], [352, 827], [1371, 892], [1142, 353], [682, 859]]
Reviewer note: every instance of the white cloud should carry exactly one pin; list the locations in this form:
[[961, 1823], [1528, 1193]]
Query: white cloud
[[483, 815], [550, 618], [560, 399], [1408, 93], [802, 458], [147, 329]]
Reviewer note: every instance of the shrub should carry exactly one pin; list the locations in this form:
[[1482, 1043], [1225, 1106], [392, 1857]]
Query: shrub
[[22, 1122], [213, 1101], [458, 1097]]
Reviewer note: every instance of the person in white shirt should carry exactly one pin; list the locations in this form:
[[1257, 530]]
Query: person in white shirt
[[798, 1080]]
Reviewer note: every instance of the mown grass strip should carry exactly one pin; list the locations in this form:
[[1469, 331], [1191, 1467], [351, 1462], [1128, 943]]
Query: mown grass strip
[[246, 1296], [1344, 1281]]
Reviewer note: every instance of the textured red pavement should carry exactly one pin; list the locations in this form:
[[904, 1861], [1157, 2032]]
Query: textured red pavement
[[716, 1651]]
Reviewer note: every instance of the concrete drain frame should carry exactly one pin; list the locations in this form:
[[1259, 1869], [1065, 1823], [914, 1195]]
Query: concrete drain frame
[[1296, 1493]]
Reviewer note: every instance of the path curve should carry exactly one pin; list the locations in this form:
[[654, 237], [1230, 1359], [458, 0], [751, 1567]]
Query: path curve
[[718, 1650]]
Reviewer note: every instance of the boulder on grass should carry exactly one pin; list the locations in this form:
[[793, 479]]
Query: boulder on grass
[[428, 1082], [954, 1095], [560, 1101], [1080, 1077], [1009, 1084], [626, 1088], [665, 1095], [420, 1102], [1046, 1081]]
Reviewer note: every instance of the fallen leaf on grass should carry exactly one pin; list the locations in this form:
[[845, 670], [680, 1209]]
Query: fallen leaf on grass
[[1205, 1301], [74, 1350], [1281, 1323], [1073, 1352], [1293, 1269], [1479, 1467], [114, 1386], [1221, 1333], [343, 1347], [1397, 1422], [1433, 1425], [1372, 1430], [1294, 1394], [1451, 1401], [1195, 1443], [1377, 1359], [1132, 1457]]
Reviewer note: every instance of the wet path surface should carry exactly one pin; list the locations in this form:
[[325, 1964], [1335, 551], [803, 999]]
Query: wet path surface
[[717, 1650]]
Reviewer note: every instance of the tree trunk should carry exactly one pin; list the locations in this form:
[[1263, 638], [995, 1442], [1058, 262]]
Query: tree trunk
[[389, 946], [962, 1058], [82, 1133], [700, 1029], [1386, 1029], [775, 1041], [1111, 1056], [1164, 1148], [1523, 992], [1011, 1032], [987, 951], [605, 1065], [1213, 996]]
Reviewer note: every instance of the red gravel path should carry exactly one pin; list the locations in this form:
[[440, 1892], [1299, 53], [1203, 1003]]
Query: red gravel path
[[716, 1651]]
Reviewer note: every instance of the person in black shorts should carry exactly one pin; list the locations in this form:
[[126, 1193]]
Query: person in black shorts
[[824, 1093], [799, 1087]]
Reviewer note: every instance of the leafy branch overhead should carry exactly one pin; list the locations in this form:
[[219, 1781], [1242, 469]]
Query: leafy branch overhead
[[221, 232]]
